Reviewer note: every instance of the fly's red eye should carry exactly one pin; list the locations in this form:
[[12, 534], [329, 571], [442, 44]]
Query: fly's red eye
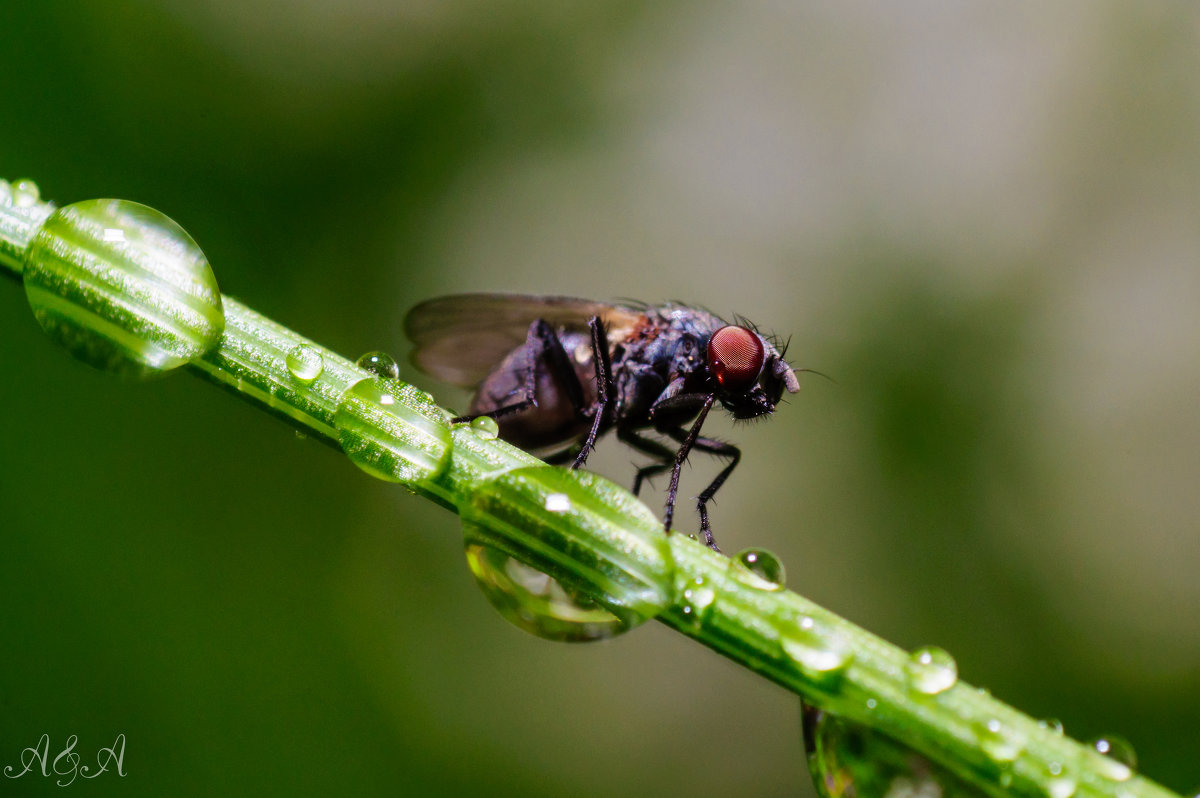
[[735, 357]]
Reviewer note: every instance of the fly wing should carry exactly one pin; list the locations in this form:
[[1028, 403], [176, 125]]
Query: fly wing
[[461, 338]]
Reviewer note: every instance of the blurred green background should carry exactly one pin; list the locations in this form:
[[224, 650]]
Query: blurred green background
[[982, 222]]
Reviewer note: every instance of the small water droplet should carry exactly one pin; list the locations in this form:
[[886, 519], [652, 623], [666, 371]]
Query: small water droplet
[[380, 364], [558, 502], [1117, 749], [999, 742], [1119, 757], [1053, 724], [1055, 768], [1061, 787], [305, 363], [758, 568], [485, 427], [697, 599], [819, 652], [931, 670], [872, 703], [25, 193]]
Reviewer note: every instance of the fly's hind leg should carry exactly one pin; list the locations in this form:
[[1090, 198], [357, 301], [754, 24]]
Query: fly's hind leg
[[664, 455], [541, 340]]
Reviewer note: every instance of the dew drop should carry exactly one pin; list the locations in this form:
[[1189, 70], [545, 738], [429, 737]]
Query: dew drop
[[1061, 787], [25, 193], [558, 502], [1052, 724], [380, 364], [931, 670], [852, 760], [406, 442], [485, 427], [138, 307], [1119, 757], [697, 599], [758, 568], [305, 363], [535, 601], [820, 653], [999, 742], [1117, 749]]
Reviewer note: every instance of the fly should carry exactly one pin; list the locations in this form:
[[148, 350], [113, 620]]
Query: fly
[[556, 373]]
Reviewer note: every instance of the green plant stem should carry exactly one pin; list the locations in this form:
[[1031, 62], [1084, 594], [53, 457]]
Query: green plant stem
[[628, 563]]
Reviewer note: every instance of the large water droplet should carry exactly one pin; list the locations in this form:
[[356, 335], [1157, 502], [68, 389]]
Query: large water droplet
[[305, 363], [850, 760], [392, 431], [591, 561], [821, 653], [485, 427], [145, 303], [931, 670], [999, 742], [1120, 758], [533, 600], [380, 364], [758, 568]]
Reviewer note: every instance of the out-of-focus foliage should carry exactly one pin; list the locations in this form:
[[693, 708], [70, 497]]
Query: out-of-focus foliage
[[981, 222]]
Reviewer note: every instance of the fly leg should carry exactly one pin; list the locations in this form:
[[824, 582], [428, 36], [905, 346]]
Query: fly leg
[[540, 341], [719, 449], [605, 388], [663, 454], [689, 441]]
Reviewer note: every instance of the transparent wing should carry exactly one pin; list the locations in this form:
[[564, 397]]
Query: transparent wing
[[461, 338]]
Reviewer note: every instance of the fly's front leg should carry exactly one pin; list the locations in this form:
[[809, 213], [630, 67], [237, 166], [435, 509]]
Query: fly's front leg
[[719, 449], [681, 457], [605, 389], [541, 340]]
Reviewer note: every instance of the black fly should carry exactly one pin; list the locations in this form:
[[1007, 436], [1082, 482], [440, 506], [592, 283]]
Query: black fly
[[556, 373]]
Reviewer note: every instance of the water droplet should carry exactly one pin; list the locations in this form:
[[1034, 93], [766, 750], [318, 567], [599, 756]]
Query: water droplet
[[485, 427], [535, 601], [872, 703], [821, 653], [1117, 749], [25, 193], [1119, 757], [380, 364], [608, 557], [558, 502], [999, 742], [852, 760], [1061, 787], [758, 568], [1053, 724], [697, 597], [138, 307], [404, 441], [931, 670], [305, 363]]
